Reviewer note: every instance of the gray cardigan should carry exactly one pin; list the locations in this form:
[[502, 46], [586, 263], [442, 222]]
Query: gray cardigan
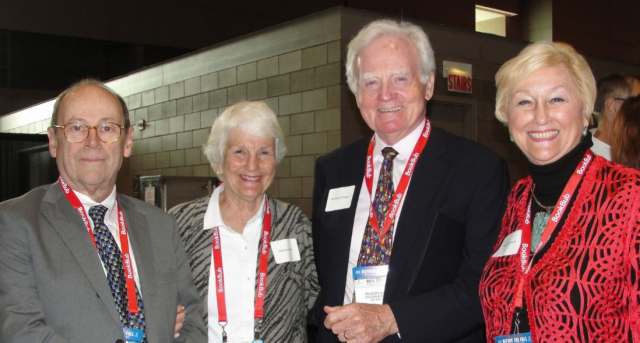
[[292, 287]]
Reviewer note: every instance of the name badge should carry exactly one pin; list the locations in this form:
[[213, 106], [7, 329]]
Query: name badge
[[517, 338], [285, 250], [133, 335], [369, 284], [339, 198], [510, 245]]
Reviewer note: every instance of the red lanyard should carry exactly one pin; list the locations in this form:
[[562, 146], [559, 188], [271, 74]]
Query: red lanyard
[[526, 260], [404, 180], [124, 241], [262, 270]]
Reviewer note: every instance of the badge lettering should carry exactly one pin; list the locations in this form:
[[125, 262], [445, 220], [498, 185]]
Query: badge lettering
[[427, 130], [396, 203], [265, 242], [127, 265], [369, 168], [261, 284], [123, 228], [412, 163], [84, 219], [585, 163], [216, 240], [523, 255], [561, 206], [219, 278], [64, 186]]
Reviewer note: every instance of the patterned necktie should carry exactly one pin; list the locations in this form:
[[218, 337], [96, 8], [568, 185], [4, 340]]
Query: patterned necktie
[[372, 251], [111, 258]]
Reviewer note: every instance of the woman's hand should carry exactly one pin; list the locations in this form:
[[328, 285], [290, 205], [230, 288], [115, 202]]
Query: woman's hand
[[181, 313]]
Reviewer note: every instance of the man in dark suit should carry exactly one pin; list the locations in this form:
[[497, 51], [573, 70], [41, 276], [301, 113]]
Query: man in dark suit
[[81, 263], [431, 222]]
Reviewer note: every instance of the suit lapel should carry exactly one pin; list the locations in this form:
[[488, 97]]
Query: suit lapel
[[348, 172], [356, 164], [429, 172], [141, 245], [67, 223]]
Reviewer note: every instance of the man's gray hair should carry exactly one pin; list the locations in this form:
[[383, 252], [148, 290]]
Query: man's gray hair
[[90, 82], [384, 27], [252, 117]]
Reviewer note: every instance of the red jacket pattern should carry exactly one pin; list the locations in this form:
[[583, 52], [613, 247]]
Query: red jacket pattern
[[585, 287]]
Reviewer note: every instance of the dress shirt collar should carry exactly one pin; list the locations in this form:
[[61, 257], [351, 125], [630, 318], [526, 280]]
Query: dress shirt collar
[[404, 147], [213, 216], [109, 202]]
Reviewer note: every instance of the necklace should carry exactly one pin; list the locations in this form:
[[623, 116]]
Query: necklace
[[547, 208], [539, 223]]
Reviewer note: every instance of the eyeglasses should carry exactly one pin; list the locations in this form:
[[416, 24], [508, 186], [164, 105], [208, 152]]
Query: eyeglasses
[[620, 99], [77, 133]]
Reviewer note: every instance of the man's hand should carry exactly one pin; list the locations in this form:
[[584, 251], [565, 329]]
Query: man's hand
[[179, 321], [361, 323]]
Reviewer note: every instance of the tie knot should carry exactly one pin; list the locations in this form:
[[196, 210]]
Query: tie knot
[[97, 213], [389, 153]]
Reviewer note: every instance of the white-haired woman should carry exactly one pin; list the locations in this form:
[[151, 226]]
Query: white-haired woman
[[566, 265], [253, 252]]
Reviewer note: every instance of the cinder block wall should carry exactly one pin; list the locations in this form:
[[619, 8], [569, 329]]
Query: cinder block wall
[[298, 69], [300, 86]]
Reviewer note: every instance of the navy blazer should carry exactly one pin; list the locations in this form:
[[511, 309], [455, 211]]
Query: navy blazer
[[445, 233]]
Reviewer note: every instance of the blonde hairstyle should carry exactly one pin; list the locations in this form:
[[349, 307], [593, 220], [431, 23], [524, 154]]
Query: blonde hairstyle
[[384, 27], [625, 145], [254, 118], [543, 55]]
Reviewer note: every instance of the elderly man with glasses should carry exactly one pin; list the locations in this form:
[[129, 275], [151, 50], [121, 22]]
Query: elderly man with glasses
[[82, 263]]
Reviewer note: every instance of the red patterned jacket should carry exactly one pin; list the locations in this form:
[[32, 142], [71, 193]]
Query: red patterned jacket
[[585, 287]]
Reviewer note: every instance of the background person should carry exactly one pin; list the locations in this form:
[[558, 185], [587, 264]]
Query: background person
[[449, 213], [62, 271], [613, 90], [244, 146], [625, 135], [565, 267]]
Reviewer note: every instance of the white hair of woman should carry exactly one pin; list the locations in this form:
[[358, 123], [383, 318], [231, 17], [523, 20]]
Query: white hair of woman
[[252, 117], [384, 27]]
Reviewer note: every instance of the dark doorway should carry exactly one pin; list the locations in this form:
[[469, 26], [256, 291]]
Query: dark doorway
[[454, 117], [25, 164]]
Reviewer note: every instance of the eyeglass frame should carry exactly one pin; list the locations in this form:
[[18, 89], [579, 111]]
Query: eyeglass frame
[[620, 99], [89, 127]]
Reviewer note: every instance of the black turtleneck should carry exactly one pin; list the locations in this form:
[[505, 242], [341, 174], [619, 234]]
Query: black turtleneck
[[550, 180]]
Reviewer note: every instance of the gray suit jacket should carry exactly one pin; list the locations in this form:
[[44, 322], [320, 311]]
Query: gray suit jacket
[[53, 287]]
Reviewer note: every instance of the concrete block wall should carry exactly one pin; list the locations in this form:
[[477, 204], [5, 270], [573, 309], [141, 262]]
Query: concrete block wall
[[298, 70], [298, 85]]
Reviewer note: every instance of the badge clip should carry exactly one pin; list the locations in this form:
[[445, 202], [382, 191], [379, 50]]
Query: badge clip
[[256, 332], [224, 333]]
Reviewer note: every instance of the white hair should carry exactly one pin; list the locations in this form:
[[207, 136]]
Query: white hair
[[254, 118], [384, 27]]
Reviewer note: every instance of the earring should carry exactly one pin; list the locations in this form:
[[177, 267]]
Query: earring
[[511, 139], [585, 131]]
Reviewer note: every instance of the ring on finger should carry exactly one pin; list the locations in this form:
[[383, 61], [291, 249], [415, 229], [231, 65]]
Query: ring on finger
[[345, 336]]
